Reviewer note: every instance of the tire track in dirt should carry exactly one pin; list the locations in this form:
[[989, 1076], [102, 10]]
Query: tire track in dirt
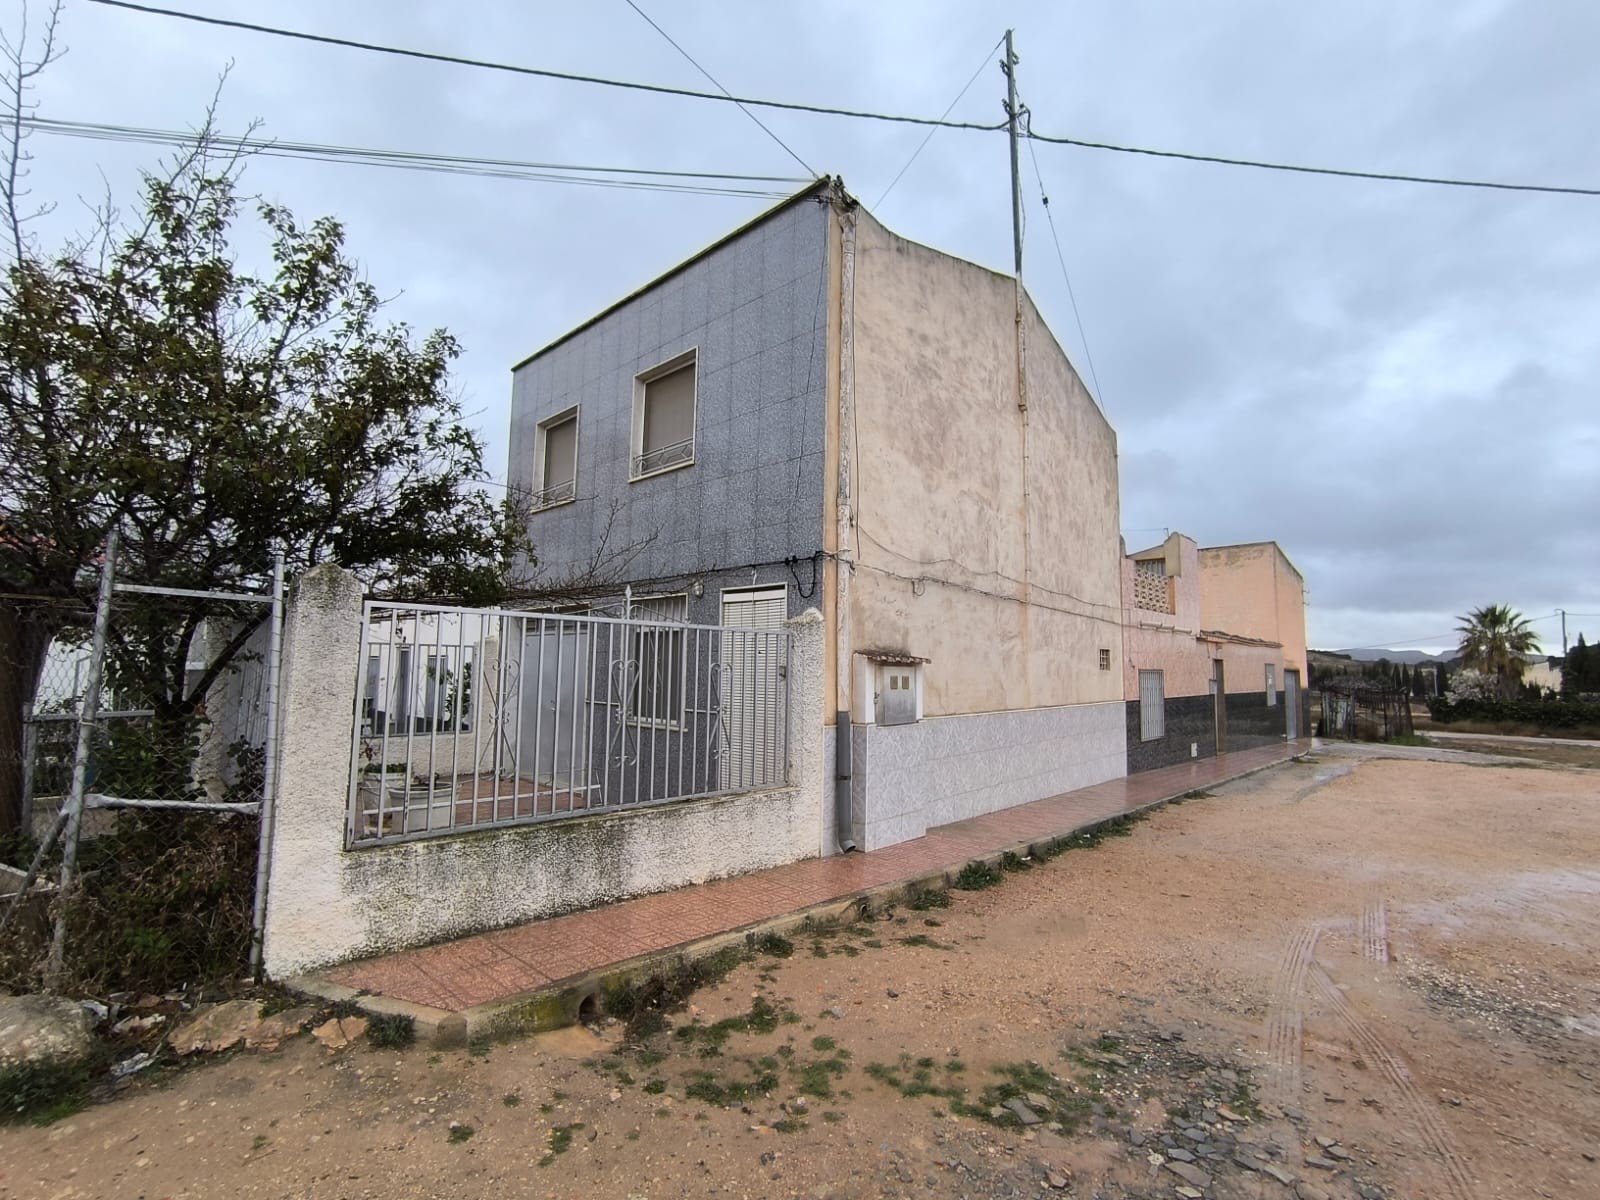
[[1286, 1018], [1375, 930], [1413, 1105]]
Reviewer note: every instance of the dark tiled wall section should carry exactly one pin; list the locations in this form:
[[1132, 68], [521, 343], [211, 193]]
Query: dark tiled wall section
[[1253, 722], [1190, 720], [755, 310]]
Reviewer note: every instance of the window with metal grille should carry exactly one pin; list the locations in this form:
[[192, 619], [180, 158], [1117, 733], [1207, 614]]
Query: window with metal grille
[[658, 657], [1105, 659], [1152, 706], [663, 420], [558, 460]]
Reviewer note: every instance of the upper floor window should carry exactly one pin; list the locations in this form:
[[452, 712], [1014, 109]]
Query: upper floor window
[[663, 417], [556, 454]]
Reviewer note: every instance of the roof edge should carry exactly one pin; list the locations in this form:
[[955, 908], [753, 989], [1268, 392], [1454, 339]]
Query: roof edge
[[819, 184]]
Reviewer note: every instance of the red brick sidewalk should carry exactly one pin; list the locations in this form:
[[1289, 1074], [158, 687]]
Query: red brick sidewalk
[[487, 967]]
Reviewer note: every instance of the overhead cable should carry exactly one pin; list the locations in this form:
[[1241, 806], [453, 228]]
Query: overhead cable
[[1385, 176], [1099, 396], [628, 178], [718, 85], [922, 145], [568, 76], [828, 110]]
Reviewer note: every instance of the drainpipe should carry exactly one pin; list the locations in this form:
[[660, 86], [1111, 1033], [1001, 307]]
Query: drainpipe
[[844, 765]]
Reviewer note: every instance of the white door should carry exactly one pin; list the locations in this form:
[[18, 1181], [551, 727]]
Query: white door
[[751, 744]]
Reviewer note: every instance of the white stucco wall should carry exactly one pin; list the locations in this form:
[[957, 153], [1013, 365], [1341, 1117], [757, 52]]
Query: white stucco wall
[[328, 905], [944, 769]]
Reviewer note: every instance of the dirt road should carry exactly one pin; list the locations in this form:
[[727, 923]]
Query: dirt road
[[1338, 978]]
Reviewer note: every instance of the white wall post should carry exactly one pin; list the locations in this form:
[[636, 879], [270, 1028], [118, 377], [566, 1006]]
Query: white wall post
[[317, 699]]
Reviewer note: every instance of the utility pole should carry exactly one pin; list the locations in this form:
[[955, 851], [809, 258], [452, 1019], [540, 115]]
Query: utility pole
[[1012, 120], [1563, 613]]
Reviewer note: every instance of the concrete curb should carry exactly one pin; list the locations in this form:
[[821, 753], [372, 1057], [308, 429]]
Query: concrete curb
[[580, 998]]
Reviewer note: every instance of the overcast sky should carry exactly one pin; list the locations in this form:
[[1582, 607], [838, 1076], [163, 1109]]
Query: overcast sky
[[1397, 382]]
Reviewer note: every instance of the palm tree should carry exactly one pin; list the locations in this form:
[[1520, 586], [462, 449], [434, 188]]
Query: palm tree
[[1497, 641]]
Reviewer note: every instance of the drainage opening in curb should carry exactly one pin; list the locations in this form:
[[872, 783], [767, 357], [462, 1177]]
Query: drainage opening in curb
[[589, 1009]]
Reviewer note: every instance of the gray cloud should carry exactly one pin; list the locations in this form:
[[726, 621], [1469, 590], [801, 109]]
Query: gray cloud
[[1394, 381]]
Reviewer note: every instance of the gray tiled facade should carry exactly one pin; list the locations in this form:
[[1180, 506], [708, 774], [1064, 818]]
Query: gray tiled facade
[[755, 310]]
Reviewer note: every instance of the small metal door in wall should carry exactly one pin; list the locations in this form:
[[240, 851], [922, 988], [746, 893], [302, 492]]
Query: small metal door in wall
[[752, 698], [897, 695], [1291, 702], [554, 704], [1219, 690]]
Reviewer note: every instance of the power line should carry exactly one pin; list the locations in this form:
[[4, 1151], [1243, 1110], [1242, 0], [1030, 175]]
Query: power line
[[827, 110], [922, 145], [1385, 176], [568, 76], [1062, 259], [720, 88], [632, 178]]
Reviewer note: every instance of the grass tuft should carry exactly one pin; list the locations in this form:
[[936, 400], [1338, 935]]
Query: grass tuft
[[391, 1031], [976, 876]]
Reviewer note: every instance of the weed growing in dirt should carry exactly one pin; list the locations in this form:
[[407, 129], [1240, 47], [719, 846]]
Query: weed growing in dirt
[[912, 1078], [822, 1043], [559, 1141], [1010, 861], [927, 898], [643, 1008], [788, 1125], [922, 939], [478, 1049], [391, 1031], [775, 945], [460, 1133], [655, 1087], [1029, 1083], [42, 1092], [976, 876], [816, 1079], [259, 1142], [818, 950], [276, 1003], [707, 1088], [511, 1100], [343, 1010]]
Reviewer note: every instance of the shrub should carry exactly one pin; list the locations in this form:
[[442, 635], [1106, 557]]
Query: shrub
[[1545, 714]]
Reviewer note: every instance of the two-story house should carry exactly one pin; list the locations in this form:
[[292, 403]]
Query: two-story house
[[1215, 641], [814, 412]]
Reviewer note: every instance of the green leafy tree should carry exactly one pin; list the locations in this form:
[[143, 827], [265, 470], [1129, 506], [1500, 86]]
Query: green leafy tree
[[1580, 673], [1497, 641], [153, 383]]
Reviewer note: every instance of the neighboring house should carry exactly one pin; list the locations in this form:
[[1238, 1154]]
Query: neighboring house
[[1180, 658], [1542, 671], [1252, 600], [816, 413]]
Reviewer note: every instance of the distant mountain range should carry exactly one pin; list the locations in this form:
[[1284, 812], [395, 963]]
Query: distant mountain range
[[1395, 656]]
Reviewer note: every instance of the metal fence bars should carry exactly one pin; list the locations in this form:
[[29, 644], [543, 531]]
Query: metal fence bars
[[149, 738], [473, 718]]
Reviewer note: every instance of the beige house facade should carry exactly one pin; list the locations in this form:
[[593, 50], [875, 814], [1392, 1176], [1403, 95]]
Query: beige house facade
[[865, 425], [1208, 666]]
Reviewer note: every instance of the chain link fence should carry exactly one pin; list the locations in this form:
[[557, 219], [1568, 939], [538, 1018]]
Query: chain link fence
[[134, 770]]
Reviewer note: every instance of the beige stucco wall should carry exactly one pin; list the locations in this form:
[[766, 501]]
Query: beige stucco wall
[[326, 904], [1007, 580], [1244, 666], [1167, 642], [1254, 591]]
